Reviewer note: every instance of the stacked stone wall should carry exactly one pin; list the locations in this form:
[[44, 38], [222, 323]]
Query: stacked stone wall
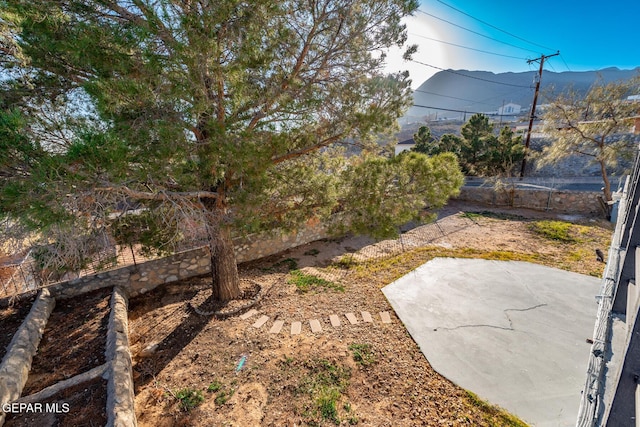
[[565, 202], [141, 278]]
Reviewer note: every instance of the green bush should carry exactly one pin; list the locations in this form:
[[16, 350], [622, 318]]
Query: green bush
[[305, 282], [555, 230], [189, 398]]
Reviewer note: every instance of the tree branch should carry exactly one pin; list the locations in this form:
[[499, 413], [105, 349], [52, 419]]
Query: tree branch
[[298, 153], [585, 154], [160, 195], [261, 113]]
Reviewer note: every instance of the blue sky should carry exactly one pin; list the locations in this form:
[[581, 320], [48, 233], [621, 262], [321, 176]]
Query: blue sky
[[589, 35]]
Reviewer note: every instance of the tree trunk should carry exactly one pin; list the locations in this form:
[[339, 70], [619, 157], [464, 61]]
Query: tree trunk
[[607, 188], [607, 183], [224, 270]]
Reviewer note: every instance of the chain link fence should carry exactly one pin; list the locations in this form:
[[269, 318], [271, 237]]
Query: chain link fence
[[27, 275]]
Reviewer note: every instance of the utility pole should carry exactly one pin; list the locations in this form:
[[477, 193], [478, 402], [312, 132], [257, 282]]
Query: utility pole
[[533, 108]]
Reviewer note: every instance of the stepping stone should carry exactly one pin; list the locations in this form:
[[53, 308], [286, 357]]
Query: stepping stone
[[261, 321], [384, 315], [277, 327], [335, 320], [296, 328], [351, 318], [366, 316], [248, 314], [315, 325]]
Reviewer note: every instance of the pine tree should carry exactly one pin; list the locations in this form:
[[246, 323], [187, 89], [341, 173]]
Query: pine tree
[[209, 118]]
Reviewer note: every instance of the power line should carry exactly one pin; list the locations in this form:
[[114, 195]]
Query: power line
[[470, 77], [475, 32], [466, 47], [460, 111], [452, 97], [493, 26], [565, 63]]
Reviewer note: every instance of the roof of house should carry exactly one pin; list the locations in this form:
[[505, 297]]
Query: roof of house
[[407, 142]]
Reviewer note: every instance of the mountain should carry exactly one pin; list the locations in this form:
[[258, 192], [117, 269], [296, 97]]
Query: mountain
[[483, 91]]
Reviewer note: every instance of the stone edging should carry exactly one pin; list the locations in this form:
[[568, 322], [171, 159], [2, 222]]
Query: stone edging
[[16, 363], [120, 395]]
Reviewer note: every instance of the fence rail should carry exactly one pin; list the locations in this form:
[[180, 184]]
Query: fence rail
[[26, 275]]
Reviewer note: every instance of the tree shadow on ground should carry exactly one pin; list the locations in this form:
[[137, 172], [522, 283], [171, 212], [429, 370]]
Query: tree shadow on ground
[[189, 326]]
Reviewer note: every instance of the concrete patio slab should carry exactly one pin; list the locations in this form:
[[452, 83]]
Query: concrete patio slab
[[512, 332]]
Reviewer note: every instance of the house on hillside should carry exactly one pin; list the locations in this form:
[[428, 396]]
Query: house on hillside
[[509, 109], [405, 145]]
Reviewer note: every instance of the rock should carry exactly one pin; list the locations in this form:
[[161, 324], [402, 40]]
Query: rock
[[150, 350]]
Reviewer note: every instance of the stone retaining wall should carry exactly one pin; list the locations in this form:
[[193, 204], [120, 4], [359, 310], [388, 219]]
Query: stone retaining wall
[[16, 363], [120, 394], [138, 279], [258, 246], [568, 202], [146, 276]]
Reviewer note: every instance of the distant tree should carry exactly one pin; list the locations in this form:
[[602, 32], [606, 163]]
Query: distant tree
[[210, 118], [425, 142], [476, 134], [595, 126], [451, 143], [504, 152]]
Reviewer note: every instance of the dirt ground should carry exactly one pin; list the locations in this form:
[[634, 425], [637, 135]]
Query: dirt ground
[[319, 378], [191, 370], [83, 405], [11, 318], [73, 342]]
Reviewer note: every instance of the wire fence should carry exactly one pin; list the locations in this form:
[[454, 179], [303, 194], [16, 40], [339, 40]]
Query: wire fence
[[27, 275]]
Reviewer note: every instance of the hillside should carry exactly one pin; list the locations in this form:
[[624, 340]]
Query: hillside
[[452, 90]]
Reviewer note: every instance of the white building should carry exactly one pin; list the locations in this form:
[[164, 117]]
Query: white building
[[509, 109]]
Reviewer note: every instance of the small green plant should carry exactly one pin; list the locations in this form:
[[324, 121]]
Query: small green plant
[[555, 230], [287, 361], [304, 282], [326, 404], [214, 387], [493, 215], [362, 354], [346, 262], [472, 215], [325, 385], [498, 414], [312, 252], [189, 398], [223, 397], [290, 263]]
